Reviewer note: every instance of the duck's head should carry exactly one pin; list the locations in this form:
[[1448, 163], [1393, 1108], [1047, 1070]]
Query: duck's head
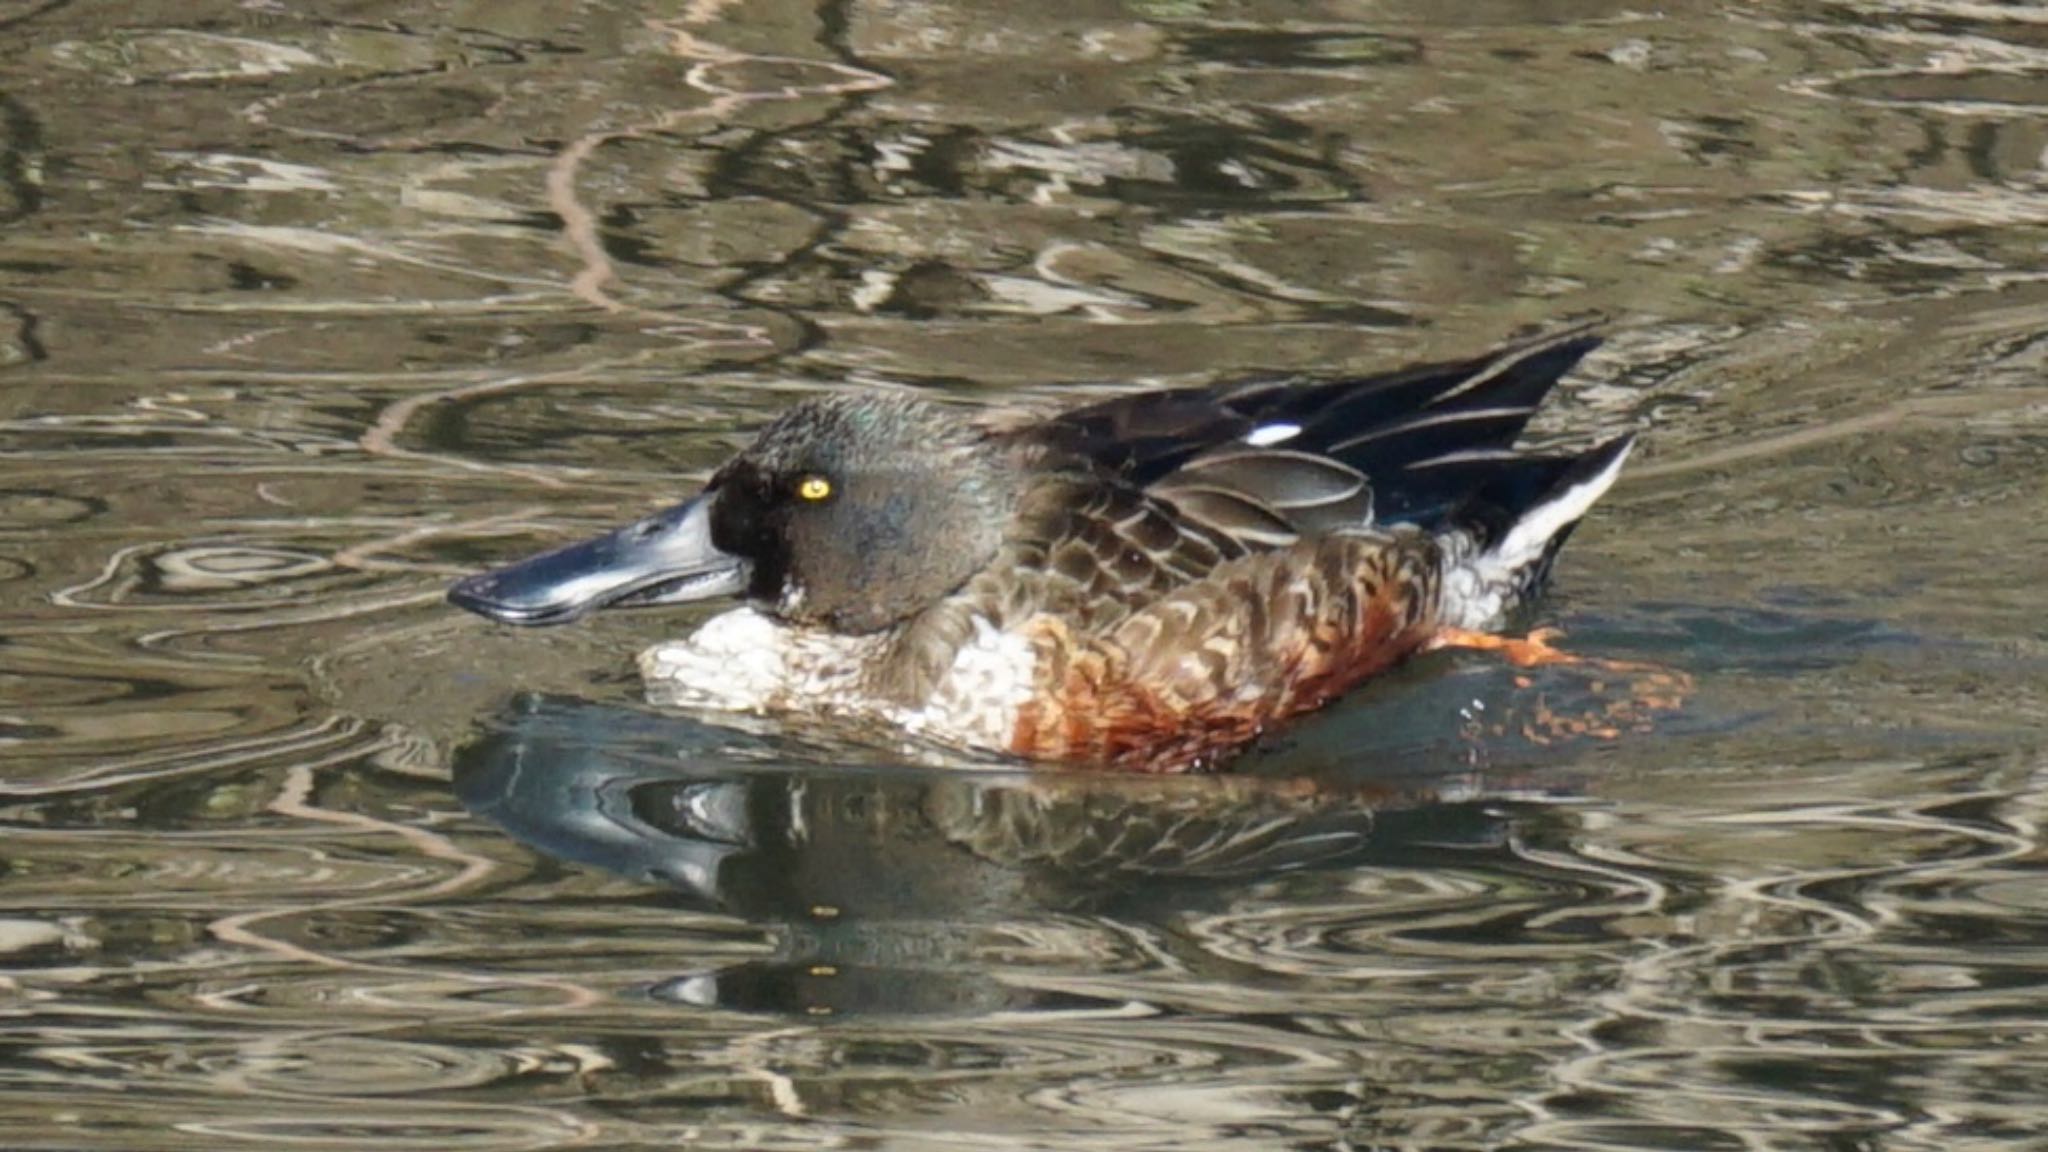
[[848, 513]]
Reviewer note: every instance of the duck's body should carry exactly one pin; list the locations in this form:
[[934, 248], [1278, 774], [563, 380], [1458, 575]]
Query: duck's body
[[1146, 583]]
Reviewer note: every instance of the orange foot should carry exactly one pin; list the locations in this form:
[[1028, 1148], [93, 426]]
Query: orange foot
[[1531, 651], [1651, 689]]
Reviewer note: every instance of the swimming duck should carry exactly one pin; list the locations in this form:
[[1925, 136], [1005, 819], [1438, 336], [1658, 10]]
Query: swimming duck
[[1146, 583]]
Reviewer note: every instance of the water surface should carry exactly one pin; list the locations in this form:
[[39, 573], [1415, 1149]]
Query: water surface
[[306, 309]]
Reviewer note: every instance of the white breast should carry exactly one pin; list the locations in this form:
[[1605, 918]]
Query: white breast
[[978, 699], [743, 661]]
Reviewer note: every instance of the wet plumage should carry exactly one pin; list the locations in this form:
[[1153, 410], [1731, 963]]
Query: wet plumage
[[1146, 583]]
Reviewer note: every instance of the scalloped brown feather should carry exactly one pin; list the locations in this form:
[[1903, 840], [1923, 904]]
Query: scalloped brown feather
[[1205, 670]]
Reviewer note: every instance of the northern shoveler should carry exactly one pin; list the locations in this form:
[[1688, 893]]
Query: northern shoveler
[[1144, 583]]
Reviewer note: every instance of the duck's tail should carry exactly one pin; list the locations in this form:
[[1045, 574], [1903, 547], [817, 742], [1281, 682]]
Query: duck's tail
[[1499, 544]]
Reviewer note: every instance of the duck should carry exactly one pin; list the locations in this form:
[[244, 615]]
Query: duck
[[1147, 583]]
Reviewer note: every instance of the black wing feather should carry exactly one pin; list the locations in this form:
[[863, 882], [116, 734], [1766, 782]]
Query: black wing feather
[[1371, 423], [1420, 445]]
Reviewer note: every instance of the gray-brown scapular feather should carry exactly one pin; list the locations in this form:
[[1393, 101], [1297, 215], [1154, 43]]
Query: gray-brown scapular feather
[[1269, 496]]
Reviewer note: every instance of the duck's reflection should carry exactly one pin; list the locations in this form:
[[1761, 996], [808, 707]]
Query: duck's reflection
[[887, 877]]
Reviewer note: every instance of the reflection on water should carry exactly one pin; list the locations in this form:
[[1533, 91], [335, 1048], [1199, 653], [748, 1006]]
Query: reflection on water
[[880, 878], [306, 308]]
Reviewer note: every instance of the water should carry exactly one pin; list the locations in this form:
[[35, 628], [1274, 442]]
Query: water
[[306, 309]]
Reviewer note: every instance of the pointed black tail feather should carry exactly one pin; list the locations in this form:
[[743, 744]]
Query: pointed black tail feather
[[1516, 487], [1509, 530]]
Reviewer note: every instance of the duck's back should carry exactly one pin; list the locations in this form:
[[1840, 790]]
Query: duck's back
[[1187, 568]]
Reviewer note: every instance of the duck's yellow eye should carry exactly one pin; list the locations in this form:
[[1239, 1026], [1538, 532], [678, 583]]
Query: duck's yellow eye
[[814, 488]]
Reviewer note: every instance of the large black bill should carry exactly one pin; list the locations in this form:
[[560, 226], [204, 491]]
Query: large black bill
[[667, 558]]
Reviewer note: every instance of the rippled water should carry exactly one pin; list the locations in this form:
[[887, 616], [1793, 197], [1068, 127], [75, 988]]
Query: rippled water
[[306, 308]]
